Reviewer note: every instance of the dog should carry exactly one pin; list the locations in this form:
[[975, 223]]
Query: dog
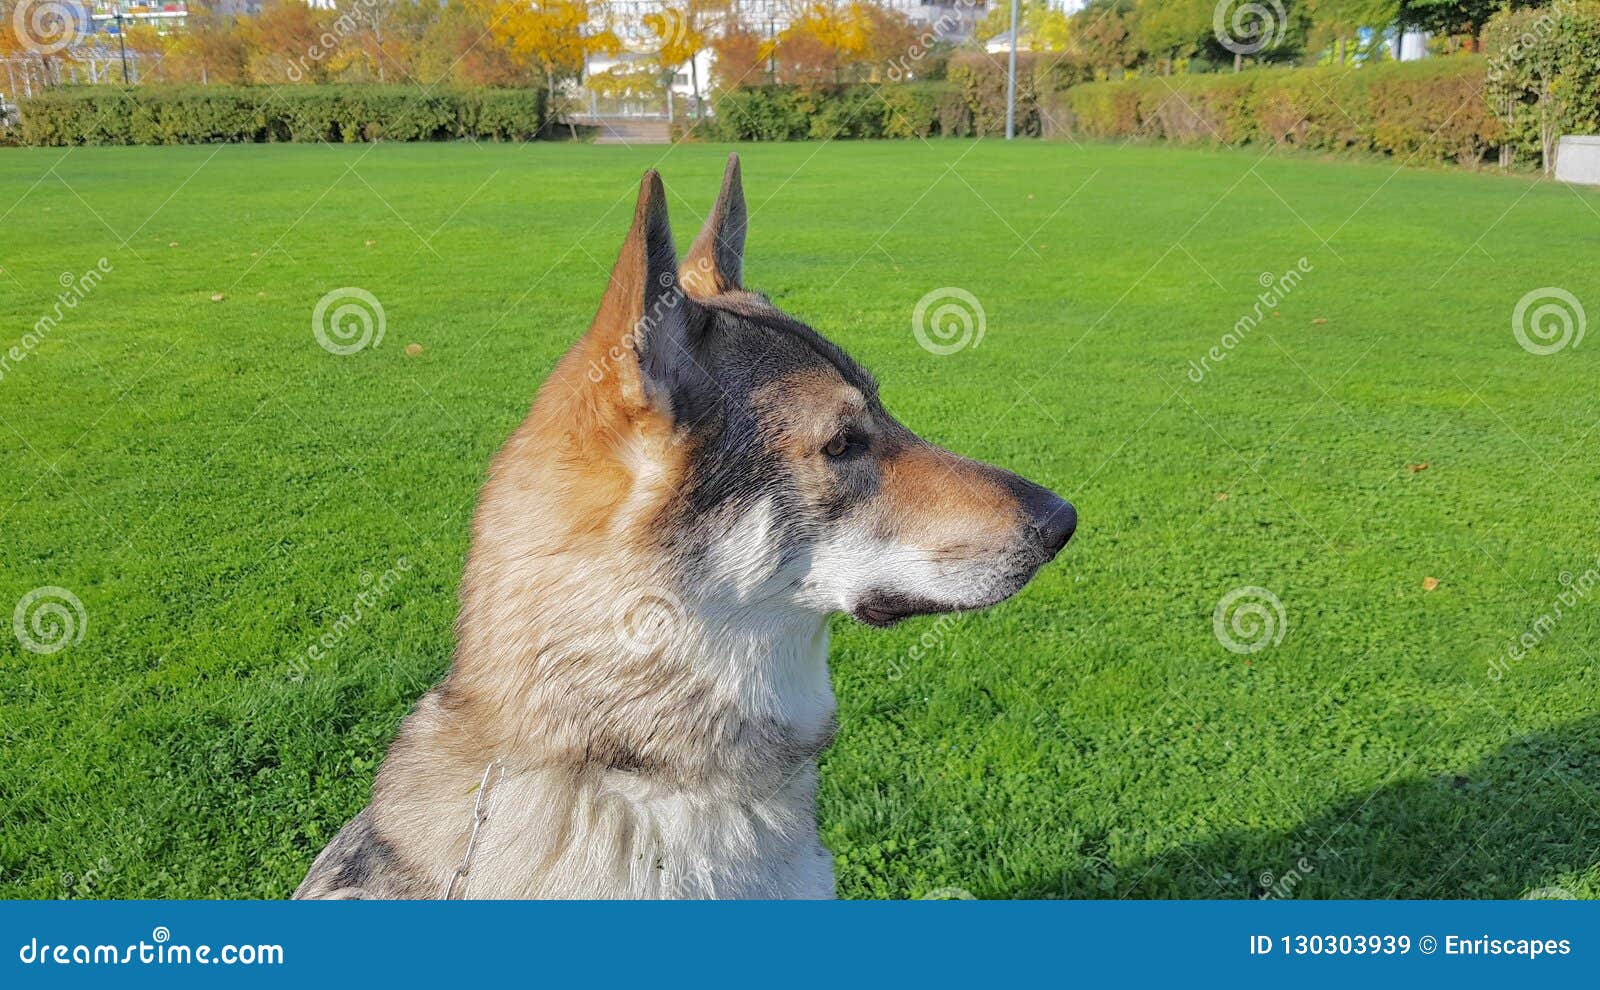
[[639, 690]]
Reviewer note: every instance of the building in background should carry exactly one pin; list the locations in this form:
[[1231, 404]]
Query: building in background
[[1410, 45], [108, 18], [954, 21]]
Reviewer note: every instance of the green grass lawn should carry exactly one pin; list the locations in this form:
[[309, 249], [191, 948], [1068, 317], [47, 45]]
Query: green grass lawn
[[216, 489]]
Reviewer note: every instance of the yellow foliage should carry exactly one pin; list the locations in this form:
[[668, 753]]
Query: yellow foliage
[[551, 33], [845, 28]]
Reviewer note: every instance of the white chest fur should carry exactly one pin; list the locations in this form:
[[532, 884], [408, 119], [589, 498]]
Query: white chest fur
[[620, 834]]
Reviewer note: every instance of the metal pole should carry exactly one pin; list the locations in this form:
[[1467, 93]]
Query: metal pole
[[1011, 78], [121, 31]]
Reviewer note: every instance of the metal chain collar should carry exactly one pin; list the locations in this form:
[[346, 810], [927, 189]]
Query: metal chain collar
[[480, 814]]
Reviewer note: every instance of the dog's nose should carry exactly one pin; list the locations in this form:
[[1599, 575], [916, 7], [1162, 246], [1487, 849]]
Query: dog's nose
[[1052, 519]]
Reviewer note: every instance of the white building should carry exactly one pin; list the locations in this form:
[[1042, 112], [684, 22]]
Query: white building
[[1410, 46]]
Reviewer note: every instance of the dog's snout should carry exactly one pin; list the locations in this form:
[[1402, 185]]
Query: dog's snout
[[1051, 518]]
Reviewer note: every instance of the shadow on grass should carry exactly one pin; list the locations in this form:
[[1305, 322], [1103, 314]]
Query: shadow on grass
[[1522, 822]]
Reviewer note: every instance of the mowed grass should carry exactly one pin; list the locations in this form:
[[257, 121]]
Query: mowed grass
[[218, 490]]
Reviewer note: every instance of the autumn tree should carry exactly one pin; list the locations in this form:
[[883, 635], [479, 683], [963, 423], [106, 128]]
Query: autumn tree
[[209, 49], [148, 48], [550, 33], [685, 28], [1043, 27], [381, 38], [285, 42], [825, 37], [36, 59], [738, 56], [457, 47], [891, 38], [1101, 39]]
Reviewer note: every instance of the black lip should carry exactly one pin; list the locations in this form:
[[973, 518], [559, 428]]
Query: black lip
[[884, 610]]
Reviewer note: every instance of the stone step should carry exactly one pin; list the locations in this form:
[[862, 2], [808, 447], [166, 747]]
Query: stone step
[[630, 130]]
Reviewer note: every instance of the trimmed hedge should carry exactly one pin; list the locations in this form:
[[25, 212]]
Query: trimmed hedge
[[975, 105], [1433, 109], [216, 114], [793, 113], [969, 102]]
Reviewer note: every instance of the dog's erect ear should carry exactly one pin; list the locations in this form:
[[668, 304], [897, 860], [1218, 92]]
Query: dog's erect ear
[[643, 324], [716, 259]]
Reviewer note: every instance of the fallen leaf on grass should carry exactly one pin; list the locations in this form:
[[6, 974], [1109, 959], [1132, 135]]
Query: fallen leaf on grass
[[412, 350], [1414, 468], [1222, 496], [1320, 320], [1430, 583], [217, 297]]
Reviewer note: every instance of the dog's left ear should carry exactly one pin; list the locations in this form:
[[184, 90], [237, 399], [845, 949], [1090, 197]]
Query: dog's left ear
[[643, 330], [716, 259]]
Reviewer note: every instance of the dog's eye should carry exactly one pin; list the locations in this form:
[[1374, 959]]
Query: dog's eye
[[843, 445]]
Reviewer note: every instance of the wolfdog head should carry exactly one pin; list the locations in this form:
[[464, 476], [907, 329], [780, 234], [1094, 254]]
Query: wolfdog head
[[699, 442]]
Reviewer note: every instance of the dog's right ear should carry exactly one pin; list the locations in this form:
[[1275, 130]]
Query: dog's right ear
[[642, 332], [716, 258]]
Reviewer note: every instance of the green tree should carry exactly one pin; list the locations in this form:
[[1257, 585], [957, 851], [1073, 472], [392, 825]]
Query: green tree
[[1168, 30], [1450, 17]]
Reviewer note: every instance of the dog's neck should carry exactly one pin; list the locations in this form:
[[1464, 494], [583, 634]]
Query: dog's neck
[[699, 753], [570, 663]]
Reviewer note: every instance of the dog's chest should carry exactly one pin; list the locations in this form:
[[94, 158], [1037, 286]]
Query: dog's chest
[[735, 817], [628, 835]]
